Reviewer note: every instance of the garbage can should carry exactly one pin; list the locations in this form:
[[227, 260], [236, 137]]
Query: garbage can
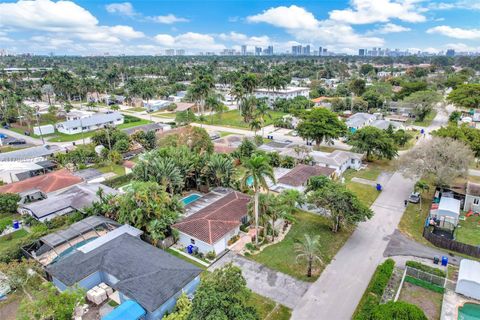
[[16, 224], [444, 261], [436, 260], [379, 187], [190, 249]]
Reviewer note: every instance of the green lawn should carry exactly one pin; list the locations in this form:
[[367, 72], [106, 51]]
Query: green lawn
[[22, 132], [233, 119], [325, 149], [181, 256], [428, 119], [119, 170], [162, 114], [62, 137], [468, 231], [136, 109], [410, 142], [367, 194], [268, 309], [414, 217], [224, 133], [282, 256], [12, 241]]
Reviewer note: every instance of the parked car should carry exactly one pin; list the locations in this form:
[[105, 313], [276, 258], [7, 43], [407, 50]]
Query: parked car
[[15, 142], [414, 197]]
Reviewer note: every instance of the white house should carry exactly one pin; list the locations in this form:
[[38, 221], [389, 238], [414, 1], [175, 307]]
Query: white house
[[42, 130], [211, 228], [448, 210], [156, 105], [384, 124], [468, 282], [472, 197], [287, 93], [78, 114], [359, 120], [91, 123]]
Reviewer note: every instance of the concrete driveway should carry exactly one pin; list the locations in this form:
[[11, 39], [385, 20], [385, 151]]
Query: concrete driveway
[[275, 285]]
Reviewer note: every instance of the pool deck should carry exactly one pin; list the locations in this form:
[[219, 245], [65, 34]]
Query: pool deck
[[452, 301]]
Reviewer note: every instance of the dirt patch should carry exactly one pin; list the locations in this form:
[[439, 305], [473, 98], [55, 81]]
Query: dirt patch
[[430, 302], [9, 308]]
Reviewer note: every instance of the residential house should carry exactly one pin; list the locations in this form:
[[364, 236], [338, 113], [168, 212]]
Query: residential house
[[385, 124], [38, 187], [78, 114], [18, 171], [359, 120], [322, 102], [33, 154], [73, 199], [134, 269], [210, 228], [472, 197], [287, 93], [156, 105], [91, 123], [297, 178], [156, 127]]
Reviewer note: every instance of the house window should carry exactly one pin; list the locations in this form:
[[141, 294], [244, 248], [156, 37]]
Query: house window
[[476, 201], [192, 241], [74, 128]]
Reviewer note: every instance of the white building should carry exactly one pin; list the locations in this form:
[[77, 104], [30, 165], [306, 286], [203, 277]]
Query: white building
[[448, 210], [359, 120], [468, 282], [287, 93], [472, 197], [156, 105], [91, 123], [42, 130], [78, 114]]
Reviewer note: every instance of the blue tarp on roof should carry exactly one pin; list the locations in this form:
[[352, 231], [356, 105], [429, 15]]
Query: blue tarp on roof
[[129, 310]]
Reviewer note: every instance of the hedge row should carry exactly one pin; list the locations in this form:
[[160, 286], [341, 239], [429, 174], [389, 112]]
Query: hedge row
[[118, 181], [424, 267], [424, 284], [372, 296]]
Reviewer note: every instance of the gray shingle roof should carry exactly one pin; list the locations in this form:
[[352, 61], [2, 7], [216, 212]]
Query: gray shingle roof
[[146, 274], [29, 153], [145, 128]]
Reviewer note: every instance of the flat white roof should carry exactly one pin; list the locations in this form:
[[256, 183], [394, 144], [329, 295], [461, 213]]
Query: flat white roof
[[469, 271], [449, 205], [286, 90]]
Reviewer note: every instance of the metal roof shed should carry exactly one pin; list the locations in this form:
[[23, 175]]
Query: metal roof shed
[[449, 208], [468, 282], [129, 310]]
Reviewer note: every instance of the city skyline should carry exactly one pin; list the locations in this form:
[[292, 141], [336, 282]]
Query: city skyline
[[238, 27]]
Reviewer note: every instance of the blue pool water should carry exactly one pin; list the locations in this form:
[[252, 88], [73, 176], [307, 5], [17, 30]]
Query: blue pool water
[[469, 311], [250, 181], [191, 198], [72, 249]]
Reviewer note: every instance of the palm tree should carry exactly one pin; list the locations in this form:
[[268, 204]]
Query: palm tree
[[213, 103], [238, 93], [248, 106], [220, 169], [255, 125], [421, 186], [308, 250], [257, 170], [262, 112]]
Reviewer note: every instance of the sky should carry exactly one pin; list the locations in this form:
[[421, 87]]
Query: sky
[[151, 26]]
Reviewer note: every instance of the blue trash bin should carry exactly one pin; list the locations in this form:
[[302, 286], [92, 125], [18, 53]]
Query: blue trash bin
[[16, 224], [444, 261], [379, 187], [190, 249]]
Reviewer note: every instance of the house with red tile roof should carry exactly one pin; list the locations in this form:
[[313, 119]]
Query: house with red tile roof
[[297, 178], [37, 187], [210, 228]]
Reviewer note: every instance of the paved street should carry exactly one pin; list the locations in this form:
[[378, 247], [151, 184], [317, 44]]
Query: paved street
[[269, 283]]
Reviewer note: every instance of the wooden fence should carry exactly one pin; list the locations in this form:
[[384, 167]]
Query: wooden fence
[[452, 245]]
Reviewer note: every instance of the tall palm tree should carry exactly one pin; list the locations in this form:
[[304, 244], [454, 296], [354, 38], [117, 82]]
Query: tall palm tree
[[308, 250], [262, 112], [255, 124], [213, 103], [220, 169], [238, 93], [257, 170]]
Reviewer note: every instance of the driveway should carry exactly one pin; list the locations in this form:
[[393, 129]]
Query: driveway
[[275, 285]]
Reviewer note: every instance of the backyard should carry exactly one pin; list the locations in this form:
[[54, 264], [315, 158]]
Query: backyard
[[235, 120], [468, 231], [282, 257], [427, 300], [268, 309]]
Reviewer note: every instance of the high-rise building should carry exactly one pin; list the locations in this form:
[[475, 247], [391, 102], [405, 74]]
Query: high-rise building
[[180, 52], [170, 52], [450, 53], [320, 51], [324, 52], [270, 50], [297, 50], [258, 51], [306, 50], [361, 52], [244, 50]]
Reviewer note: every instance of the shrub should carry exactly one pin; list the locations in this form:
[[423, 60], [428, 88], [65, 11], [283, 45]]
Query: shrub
[[250, 246], [9, 202], [258, 140], [397, 310], [423, 267], [233, 239], [211, 255], [118, 181], [381, 278], [4, 223], [424, 284]]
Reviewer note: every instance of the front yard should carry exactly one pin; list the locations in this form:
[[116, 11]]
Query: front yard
[[468, 231], [268, 309], [233, 119], [282, 256], [427, 121], [414, 217]]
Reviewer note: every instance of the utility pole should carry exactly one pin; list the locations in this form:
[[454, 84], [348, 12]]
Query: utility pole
[[38, 124], [81, 125]]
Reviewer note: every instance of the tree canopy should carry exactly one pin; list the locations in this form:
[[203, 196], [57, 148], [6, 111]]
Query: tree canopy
[[466, 96], [373, 142], [397, 310], [320, 125]]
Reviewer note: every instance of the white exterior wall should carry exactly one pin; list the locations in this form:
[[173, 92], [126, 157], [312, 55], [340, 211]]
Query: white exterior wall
[[87, 129], [468, 288], [471, 203], [274, 95], [203, 247], [47, 129]]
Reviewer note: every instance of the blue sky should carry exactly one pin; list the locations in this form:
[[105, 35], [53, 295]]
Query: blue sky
[[150, 27]]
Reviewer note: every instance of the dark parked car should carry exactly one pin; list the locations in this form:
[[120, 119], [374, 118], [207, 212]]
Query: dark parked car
[[15, 142], [414, 197]]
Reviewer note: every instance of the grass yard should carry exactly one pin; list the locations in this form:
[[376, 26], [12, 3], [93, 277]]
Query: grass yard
[[181, 256], [410, 142], [162, 114], [282, 256], [10, 148], [115, 168], [427, 121], [325, 149], [224, 133], [268, 309], [430, 302], [233, 119], [136, 109], [468, 231], [414, 217], [367, 194]]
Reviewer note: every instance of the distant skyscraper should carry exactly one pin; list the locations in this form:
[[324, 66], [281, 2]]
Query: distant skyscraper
[[320, 51], [361, 52], [270, 50], [258, 51], [170, 52], [450, 53], [297, 50], [244, 50], [180, 52], [306, 50], [324, 52]]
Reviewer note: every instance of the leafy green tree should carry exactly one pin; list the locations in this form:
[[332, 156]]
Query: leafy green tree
[[373, 142], [108, 137], [245, 150], [257, 170], [421, 186], [366, 69], [320, 125], [185, 117], [308, 250], [464, 133], [397, 310], [182, 310], [423, 102], [220, 170], [401, 137], [9, 202], [410, 87], [455, 116], [344, 206], [223, 295], [466, 96]]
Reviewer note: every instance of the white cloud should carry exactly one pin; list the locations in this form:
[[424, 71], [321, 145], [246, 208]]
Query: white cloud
[[123, 8], [64, 19], [303, 25], [389, 28], [457, 33], [244, 39], [461, 47], [371, 11], [462, 4], [190, 40], [168, 19]]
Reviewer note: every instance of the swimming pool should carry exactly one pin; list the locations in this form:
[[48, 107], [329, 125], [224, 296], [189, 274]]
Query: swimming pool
[[72, 249], [469, 311], [191, 198], [249, 181]]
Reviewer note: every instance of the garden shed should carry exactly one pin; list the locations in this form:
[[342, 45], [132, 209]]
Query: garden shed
[[448, 210], [468, 282]]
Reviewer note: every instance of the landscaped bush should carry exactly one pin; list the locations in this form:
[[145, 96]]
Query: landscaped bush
[[233, 239], [9, 202], [210, 255], [118, 181], [250, 246], [4, 223], [130, 119], [423, 267], [373, 294], [397, 310], [424, 284]]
